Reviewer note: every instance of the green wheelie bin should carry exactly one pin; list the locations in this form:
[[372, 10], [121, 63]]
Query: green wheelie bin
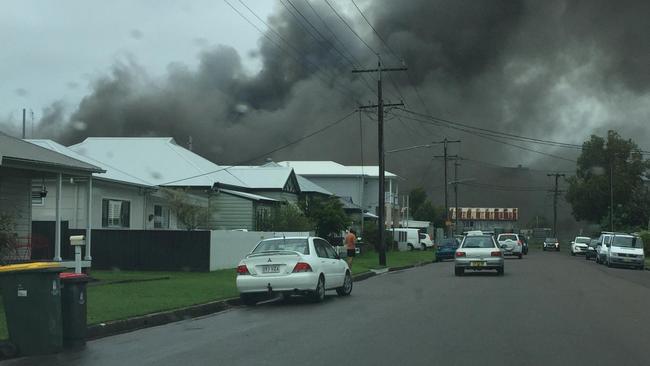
[[73, 308], [31, 293]]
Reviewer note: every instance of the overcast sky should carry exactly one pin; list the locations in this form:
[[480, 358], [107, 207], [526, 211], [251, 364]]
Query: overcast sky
[[52, 50]]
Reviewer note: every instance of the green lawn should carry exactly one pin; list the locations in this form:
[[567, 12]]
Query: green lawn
[[112, 301], [370, 259]]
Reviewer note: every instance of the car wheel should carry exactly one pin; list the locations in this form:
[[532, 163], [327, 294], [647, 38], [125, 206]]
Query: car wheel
[[346, 289], [410, 246], [609, 264], [500, 271], [459, 271], [319, 293], [519, 255], [424, 247], [573, 253], [248, 299]]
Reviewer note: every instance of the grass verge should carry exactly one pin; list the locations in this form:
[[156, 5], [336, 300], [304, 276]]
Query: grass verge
[[369, 260]]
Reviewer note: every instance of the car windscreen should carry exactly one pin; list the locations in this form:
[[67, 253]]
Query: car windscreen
[[449, 243], [582, 240], [512, 237], [422, 236], [294, 245], [627, 242], [478, 242]]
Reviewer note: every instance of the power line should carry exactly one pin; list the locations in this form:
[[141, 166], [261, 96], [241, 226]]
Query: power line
[[297, 59], [350, 28], [266, 154]]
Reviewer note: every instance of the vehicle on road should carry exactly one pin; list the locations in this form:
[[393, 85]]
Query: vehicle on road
[[625, 250], [524, 243], [591, 252], [425, 241], [551, 244], [510, 244], [478, 253], [601, 247], [292, 266], [580, 244], [406, 239], [446, 249]]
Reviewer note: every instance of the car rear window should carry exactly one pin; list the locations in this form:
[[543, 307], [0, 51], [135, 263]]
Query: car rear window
[[551, 240], [449, 243], [294, 245], [512, 237], [478, 242]]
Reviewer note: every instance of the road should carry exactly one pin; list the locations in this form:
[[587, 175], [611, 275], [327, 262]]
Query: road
[[548, 309]]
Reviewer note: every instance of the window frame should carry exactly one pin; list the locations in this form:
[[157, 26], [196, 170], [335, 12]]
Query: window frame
[[124, 217]]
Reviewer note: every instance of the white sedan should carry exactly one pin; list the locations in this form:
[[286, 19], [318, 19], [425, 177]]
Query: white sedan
[[296, 265], [580, 244]]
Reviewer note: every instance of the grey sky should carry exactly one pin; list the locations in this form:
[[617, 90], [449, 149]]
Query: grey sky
[[52, 50]]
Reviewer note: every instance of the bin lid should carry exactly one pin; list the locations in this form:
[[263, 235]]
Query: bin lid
[[71, 275], [34, 266]]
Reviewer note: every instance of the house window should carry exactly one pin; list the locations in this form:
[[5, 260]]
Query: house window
[[116, 213], [160, 217], [38, 197]]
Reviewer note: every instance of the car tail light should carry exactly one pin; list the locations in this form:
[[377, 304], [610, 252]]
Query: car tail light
[[496, 253], [302, 267], [242, 270], [460, 254]]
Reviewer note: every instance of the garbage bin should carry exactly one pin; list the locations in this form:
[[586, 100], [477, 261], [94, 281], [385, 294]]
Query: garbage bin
[[32, 302], [73, 308]]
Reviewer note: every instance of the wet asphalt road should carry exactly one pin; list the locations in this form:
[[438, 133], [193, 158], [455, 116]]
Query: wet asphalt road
[[548, 309]]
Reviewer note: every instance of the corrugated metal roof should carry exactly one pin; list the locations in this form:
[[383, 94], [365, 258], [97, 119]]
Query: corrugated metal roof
[[112, 173], [13, 149], [250, 196], [260, 177], [305, 184], [158, 160], [332, 168]]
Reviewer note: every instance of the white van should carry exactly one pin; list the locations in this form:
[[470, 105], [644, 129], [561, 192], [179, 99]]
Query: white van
[[406, 239], [625, 250]]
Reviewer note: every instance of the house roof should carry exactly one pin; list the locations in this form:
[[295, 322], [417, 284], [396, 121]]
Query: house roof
[[19, 153], [332, 168], [111, 174], [305, 184], [158, 160], [250, 196], [262, 177]]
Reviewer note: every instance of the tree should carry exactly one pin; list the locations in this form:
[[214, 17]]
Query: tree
[[416, 198], [189, 214], [589, 189], [327, 214], [289, 217], [427, 212]]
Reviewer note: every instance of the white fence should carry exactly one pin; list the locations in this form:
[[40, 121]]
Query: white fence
[[227, 248]]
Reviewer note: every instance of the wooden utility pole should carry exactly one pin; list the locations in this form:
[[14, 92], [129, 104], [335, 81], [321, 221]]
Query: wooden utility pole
[[445, 143], [380, 147], [556, 193]]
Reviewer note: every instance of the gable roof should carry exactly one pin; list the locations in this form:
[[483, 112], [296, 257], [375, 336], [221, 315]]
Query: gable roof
[[305, 184], [249, 196], [332, 168], [111, 173], [261, 177], [158, 160], [18, 153]]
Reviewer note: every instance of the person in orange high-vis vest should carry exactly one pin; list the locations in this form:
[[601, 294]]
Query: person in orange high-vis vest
[[350, 245]]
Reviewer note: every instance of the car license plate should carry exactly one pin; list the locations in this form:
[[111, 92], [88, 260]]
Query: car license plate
[[477, 264], [271, 269], [626, 260]]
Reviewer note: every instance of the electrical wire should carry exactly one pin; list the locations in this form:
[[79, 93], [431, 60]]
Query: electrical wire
[[350, 28], [257, 157]]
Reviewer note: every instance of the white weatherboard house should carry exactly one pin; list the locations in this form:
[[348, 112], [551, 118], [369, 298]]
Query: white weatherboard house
[[21, 163], [359, 184], [128, 195]]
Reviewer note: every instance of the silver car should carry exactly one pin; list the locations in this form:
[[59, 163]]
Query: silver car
[[478, 253], [510, 244]]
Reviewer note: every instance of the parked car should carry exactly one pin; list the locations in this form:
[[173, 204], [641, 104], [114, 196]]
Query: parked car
[[478, 253], [296, 265], [625, 250], [406, 239], [551, 244], [580, 244], [446, 249], [601, 247], [524, 243], [510, 244], [425, 241], [591, 249]]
